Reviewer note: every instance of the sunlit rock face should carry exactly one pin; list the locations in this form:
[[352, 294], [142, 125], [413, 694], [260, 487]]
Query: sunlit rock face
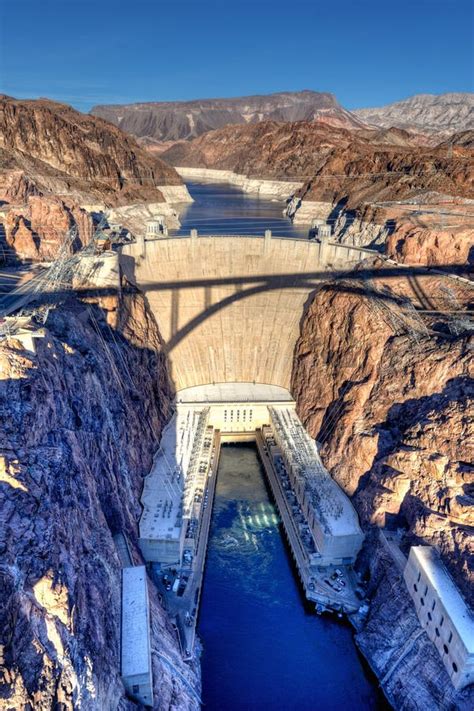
[[69, 153], [81, 419], [40, 228], [391, 409]]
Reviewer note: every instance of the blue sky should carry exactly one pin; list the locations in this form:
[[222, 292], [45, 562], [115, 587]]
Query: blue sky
[[367, 52]]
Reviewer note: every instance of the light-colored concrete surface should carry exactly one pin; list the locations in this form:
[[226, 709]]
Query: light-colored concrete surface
[[229, 308], [135, 647]]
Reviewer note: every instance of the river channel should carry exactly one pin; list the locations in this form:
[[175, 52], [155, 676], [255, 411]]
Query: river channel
[[263, 647]]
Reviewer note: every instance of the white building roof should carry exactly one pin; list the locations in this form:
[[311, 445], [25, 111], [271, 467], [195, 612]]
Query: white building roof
[[234, 392], [334, 509], [163, 490], [135, 622], [461, 616]]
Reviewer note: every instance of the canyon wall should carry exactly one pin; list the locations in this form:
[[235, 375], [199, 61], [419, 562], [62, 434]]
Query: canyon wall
[[388, 400], [56, 162], [82, 417], [38, 228]]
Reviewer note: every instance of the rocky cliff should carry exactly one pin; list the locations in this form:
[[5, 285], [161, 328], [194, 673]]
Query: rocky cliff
[[65, 152], [178, 120], [37, 229], [81, 420], [388, 398], [366, 184], [55, 161], [440, 113]]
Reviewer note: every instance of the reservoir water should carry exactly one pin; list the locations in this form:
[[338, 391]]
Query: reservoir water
[[225, 209], [263, 649]]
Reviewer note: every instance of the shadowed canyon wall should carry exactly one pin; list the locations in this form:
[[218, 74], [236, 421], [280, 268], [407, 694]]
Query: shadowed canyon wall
[[81, 421], [390, 408]]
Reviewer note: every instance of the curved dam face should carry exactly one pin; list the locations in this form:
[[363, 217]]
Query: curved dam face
[[229, 308]]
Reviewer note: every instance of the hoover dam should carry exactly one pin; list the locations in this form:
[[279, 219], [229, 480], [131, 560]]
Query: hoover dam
[[229, 308], [217, 323]]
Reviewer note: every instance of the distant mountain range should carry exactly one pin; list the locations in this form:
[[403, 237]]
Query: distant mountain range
[[424, 113], [178, 120], [184, 120]]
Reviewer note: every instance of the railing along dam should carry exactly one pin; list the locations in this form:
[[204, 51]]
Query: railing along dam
[[229, 310]]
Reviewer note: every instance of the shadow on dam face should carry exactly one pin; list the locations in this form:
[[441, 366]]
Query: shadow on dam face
[[230, 310]]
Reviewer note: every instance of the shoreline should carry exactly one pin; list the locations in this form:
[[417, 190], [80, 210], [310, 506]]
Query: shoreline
[[269, 188]]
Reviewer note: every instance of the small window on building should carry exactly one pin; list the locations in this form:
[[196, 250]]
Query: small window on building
[[433, 605], [429, 616], [426, 590], [422, 601], [437, 631], [450, 638], [136, 688], [418, 578], [441, 621], [455, 667], [415, 587], [445, 647]]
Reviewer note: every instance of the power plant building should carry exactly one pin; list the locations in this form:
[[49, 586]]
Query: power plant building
[[443, 614], [175, 486], [331, 517], [135, 633]]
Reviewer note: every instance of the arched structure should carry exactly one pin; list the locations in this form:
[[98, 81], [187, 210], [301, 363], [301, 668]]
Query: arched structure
[[229, 309]]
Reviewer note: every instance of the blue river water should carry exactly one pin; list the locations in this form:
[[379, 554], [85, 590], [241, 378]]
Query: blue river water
[[225, 209], [263, 648]]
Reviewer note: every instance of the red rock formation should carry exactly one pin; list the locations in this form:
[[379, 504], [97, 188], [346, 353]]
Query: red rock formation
[[69, 153], [346, 175], [391, 407], [75, 444], [391, 412], [38, 229], [411, 244]]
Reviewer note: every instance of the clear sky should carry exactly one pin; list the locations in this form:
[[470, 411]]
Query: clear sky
[[366, 52]]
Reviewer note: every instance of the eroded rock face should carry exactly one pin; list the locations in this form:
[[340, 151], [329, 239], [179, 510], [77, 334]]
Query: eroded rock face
[[69, 153], [425, 112], [81, 421], [40, 229], [390, 406]]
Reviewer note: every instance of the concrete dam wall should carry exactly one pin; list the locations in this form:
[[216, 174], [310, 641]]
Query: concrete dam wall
[[229, 308]]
